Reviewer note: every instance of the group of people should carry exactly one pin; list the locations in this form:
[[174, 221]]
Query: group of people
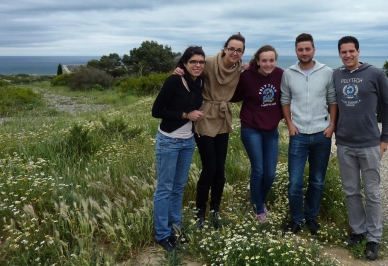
[[315, 102]]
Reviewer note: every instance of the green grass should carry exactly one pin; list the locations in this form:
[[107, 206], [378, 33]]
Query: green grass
[[77, 189]]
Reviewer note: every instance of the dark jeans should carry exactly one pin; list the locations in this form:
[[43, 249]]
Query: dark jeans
[[213, 151], [316, 149]]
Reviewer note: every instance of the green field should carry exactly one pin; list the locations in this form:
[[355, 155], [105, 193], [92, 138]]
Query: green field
[[77, 177]]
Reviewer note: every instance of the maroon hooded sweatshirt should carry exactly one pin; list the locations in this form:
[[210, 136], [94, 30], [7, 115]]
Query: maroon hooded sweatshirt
[[261, 108]]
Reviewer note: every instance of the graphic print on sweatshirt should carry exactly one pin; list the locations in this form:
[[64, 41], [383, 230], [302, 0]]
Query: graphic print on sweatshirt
[[268, 91], [350, 95]]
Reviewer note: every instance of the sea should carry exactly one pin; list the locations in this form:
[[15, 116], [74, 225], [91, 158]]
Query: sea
[[48, 65]]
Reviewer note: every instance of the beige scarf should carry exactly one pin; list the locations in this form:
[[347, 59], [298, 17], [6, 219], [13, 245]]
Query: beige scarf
[[220, 85]]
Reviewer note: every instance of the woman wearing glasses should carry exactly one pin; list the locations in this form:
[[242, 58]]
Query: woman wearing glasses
[[261, 112], [177, 104], [221, 76]]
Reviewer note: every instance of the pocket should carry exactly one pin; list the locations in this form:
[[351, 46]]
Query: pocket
[[164, 141]]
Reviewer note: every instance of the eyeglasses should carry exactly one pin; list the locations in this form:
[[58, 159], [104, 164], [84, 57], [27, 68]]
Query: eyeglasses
[[195, 62], [232, 50]]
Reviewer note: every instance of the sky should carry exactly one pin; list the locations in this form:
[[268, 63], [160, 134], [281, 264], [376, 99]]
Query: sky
[[96, 28]]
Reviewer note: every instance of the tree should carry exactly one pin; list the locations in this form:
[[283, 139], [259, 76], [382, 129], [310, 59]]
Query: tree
[[150, 57], [385, 67], [110, 64], [59, 70]]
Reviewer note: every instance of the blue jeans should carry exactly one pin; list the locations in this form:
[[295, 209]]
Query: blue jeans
[[262, 149], [173, 159], [316, 148]]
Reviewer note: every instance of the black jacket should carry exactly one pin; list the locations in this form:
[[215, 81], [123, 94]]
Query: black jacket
[[174, 99]]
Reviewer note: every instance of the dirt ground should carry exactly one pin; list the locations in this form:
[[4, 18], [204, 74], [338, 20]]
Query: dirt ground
[[344, 257], [153, 256]]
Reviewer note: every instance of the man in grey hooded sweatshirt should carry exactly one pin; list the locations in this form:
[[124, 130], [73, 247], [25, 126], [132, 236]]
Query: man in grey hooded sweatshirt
[[360, 88]]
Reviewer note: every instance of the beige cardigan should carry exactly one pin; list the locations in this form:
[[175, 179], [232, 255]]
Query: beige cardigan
[[220, 85]]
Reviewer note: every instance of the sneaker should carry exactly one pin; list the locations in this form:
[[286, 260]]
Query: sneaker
[[354, 239], [261, 217], [371, 251], [200, 221], [292, 227], [167, 245], [313, 226], [266, 211]]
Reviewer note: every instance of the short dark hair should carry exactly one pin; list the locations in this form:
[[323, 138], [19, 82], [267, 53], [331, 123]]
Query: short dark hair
[[348, 39], [262, 49], [237, 37], [188, 53], [304, 37]]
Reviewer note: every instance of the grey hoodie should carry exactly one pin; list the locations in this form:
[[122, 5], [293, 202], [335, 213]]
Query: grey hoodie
[[358, 93], [308, 96]]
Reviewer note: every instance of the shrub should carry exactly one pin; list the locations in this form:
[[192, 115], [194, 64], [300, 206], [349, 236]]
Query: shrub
[[60, 80], [86, 79], [78, 143], [119, 126], [4, 83], [142, 86], [14, 99]]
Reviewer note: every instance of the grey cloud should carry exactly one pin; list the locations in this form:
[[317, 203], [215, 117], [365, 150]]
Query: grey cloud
[[99, 27]]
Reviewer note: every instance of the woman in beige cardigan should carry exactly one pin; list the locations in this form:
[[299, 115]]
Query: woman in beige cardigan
[[221, 76]]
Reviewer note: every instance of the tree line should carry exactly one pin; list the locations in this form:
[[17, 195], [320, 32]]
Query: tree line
[[150, 57]]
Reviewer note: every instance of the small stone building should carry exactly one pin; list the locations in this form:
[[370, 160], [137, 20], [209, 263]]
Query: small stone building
[[67, 69]]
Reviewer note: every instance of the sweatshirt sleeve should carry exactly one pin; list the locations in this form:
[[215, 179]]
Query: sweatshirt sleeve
[[238, 94], [382, 85], [331, 96], [285, 96], [163, 99]]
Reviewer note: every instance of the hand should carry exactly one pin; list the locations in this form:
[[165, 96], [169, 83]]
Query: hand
[[178, 71], [246, 66], [194, 115], [329, 131], [292, 130], [383, 148]]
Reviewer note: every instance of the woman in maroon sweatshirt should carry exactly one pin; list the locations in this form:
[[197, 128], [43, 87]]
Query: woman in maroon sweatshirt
[[261, 112]]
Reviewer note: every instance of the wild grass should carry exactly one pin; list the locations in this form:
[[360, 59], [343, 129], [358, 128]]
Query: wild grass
[[77, 189]]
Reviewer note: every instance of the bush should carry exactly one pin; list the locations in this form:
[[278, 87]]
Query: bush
[[86, 79], [4, 83], [142, 86], [78, 143], [14, 99], [119, 126], [60, 80]]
